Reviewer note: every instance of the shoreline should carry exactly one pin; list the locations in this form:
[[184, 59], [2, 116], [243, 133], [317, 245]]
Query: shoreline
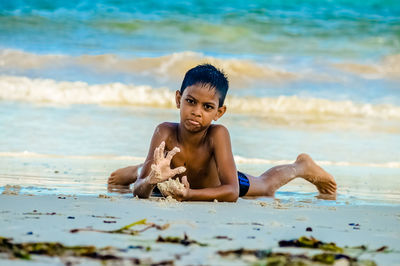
[[250, 224]]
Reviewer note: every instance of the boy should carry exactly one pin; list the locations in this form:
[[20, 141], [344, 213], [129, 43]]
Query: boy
[[200, 154]]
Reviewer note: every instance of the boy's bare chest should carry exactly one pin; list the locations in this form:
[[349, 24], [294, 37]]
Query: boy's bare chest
[[192, 159], [199, 163]]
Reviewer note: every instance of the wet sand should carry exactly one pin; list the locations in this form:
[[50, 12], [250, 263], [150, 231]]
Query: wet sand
[[252, 224]]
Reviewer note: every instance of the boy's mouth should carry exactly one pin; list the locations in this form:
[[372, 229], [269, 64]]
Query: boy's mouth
[[193, 122]]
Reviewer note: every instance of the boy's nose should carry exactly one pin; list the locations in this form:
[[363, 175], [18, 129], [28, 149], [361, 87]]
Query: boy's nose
[[196, 111]]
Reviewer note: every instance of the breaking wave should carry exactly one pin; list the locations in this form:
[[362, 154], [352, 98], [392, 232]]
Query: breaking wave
[[167, 67], [389, 67], [15, 88]]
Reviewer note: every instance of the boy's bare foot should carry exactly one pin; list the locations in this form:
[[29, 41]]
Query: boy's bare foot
[[324, 182], [124, 176]]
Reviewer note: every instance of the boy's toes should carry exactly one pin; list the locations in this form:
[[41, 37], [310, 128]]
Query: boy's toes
[[328, 196]]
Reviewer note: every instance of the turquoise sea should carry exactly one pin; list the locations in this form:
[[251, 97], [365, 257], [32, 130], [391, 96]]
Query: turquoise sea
[[84, 83]]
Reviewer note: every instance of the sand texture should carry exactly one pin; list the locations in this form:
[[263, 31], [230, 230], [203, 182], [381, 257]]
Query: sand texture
[[195, 233], [169, 186]]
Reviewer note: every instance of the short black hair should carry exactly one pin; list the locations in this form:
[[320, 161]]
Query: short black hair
[[207, 74]]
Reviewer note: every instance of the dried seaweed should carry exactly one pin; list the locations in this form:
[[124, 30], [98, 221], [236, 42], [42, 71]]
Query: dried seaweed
[[125, 229], [177, 240], [329, 255], [223, 237], [267, 257], [56, 249], [310, 242]]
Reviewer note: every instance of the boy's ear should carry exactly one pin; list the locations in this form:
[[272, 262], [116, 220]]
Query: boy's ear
[[221, 112], [178, 97]]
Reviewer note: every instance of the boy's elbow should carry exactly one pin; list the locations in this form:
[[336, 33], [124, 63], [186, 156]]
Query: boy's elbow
[[232, 195], [233, 199]]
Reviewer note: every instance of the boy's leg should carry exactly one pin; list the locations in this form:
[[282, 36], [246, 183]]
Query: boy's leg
[[124, 176], [276, 177]]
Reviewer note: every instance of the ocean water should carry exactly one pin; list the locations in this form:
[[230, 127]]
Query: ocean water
[[84, 83]]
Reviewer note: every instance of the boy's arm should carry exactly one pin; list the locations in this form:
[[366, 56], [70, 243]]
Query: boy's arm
[[229, 188], [156, 168]]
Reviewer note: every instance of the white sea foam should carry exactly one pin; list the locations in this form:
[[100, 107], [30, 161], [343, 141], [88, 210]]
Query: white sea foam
[[15, 88], [50, 91], [238, 159]]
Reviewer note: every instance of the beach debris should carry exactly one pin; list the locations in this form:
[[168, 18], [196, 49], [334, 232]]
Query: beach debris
[[309, 229], [237, 223], [267, 257], [356, 226], [260, 224], [24, 250], [70, 217], [109, 222], [139, 247], [104, 216], [178, 240], [60, 197], [259, 253], [223, 237], [381, 249], [310, 242], [39, 213], [279, 205], [11, 190], [104, 196], [125, 229], [29, 233]]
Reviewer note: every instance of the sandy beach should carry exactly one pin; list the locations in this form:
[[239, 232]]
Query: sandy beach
[[84, 84], [251, 224]]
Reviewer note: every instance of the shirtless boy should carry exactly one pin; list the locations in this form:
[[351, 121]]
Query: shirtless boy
[[199, 153]]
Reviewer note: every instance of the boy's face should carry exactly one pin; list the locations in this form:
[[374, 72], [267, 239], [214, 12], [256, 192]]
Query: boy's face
[[198, 107]]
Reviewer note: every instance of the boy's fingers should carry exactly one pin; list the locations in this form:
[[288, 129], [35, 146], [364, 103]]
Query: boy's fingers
[[156, 155], [185, 182], [178, 170], [172, 153], [158, 152], [162, 148]]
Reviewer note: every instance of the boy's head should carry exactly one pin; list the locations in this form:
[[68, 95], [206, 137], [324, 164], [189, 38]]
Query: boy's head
[[208, 75]]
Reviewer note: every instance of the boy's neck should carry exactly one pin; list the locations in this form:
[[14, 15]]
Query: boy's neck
[[187, 137]]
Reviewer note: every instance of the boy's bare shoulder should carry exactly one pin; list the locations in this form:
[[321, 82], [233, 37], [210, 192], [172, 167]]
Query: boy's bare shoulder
[[166, 130], [167, 126], [218, 132]]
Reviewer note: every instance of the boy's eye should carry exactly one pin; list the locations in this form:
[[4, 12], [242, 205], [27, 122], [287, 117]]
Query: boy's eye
[[189, 100], [208, 107]]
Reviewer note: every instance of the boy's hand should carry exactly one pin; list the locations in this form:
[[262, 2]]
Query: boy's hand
[[161, 169], [180, 193]]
